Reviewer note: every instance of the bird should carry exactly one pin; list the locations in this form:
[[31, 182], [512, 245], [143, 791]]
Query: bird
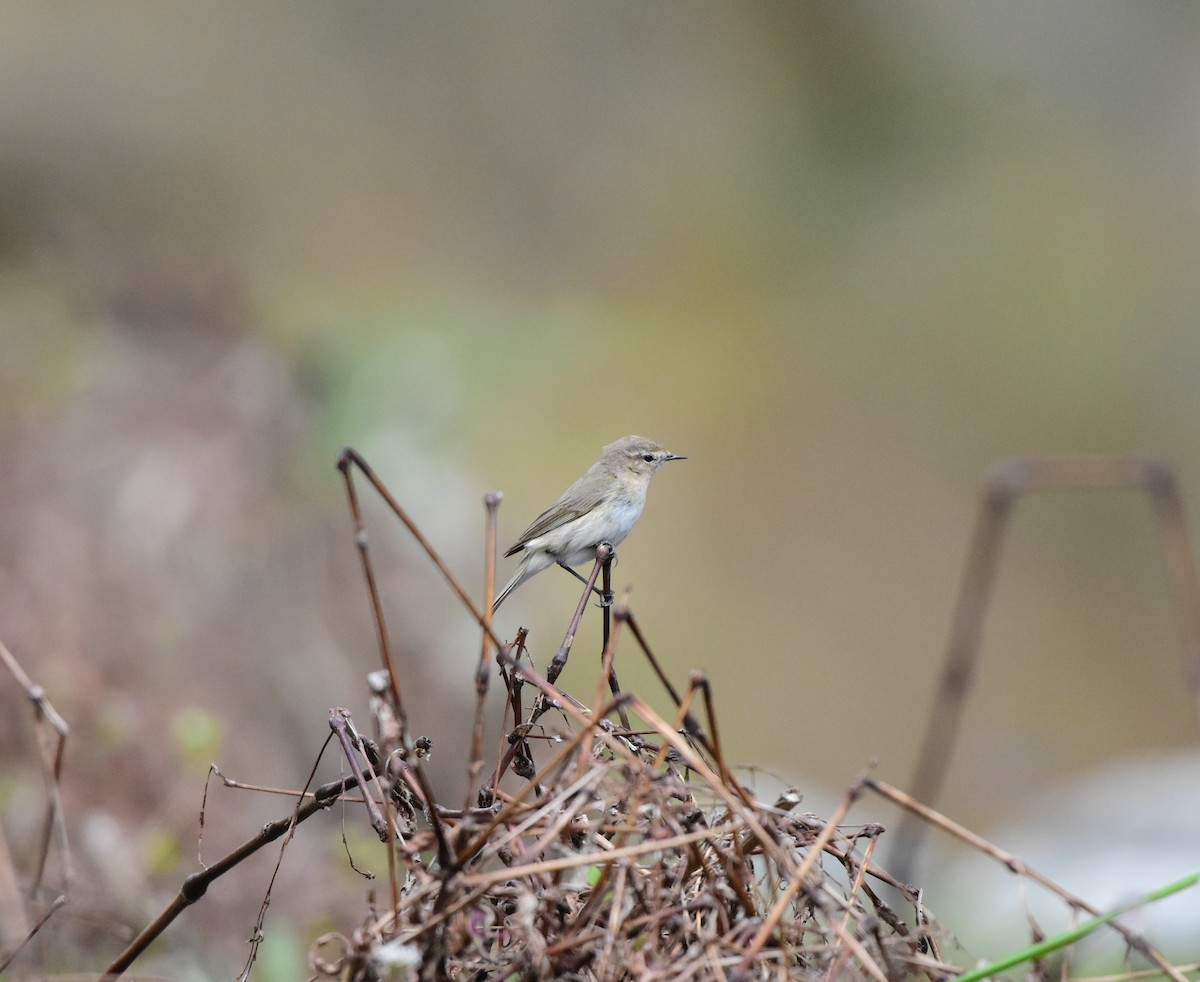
[[602, 506]]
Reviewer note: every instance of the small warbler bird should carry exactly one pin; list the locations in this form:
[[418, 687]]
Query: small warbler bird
[[602, 506]]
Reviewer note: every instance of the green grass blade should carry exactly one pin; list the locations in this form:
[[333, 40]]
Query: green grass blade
[[1069, 937]]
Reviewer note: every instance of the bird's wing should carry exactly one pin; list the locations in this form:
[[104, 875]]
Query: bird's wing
[[553, 517], [570, 506]]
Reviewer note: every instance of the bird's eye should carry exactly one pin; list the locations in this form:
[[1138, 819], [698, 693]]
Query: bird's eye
[[648, 458]]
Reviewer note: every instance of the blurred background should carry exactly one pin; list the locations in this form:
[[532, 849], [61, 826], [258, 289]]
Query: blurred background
[[843, 256]]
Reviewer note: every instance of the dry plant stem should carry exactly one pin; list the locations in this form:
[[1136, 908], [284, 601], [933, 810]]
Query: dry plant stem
[[194, 886], [53, 909], [606, 609], [360, 540], [559, 802], [351, 456], [860, 870], [797, 879], [480, 888], [233, 785], [858, 951], [13, 920], [710, 710], [607, 651], [640, 788], [701, 768], [565, 804], [843, 927], [256, 936], [559, 661], [588, 859], [491, 502], [54, 826], [512, 744], [1015, 865], [606, 661], [614, 921], [627, 615], [517, 743], [448, 910], [882, 875], [393, 865], [343, 729], [551, 695], [1006, 481], [555, 697], [414, 774], [506, 813], [634, 803], [681, 712]]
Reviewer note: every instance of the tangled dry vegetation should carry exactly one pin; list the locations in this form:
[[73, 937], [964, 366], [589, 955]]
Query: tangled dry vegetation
[[614, 865], [600, 841], [632, 854], [625, 847]]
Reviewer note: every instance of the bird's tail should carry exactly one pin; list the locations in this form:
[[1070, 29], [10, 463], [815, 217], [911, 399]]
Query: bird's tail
[[520, 576]]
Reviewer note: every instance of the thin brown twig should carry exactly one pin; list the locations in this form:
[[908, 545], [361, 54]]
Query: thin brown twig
[[586, 859], [351, 456], [10, 956], [608, 651], [799, 878], [491, 503], [343, 729], [559, 661], [195, 885], [1016, 865], [1006, 482], [52, 752], [360, 541], [733, 801]]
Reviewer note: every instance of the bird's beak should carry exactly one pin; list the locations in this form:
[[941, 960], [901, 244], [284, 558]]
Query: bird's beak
[[674, 456]]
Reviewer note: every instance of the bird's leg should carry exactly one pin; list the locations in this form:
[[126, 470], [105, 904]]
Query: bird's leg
[[606, 599]]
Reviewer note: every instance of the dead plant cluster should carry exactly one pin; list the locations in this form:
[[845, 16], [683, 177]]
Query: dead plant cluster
[[602, 840], [607, 842], [634, 855]]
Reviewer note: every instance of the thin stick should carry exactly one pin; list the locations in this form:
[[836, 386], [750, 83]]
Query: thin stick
[[10, 956], [586, 859], [608, 652], [698, 765], [510, 745], [343, 728], [797, 879], [54, 825], [491, 503], [360, 541], [195, 885], [606, 662], [559, 661], [690, 724], [1005, 482], [351, 456], [1016, 865], [710, 710], [481, 839]]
